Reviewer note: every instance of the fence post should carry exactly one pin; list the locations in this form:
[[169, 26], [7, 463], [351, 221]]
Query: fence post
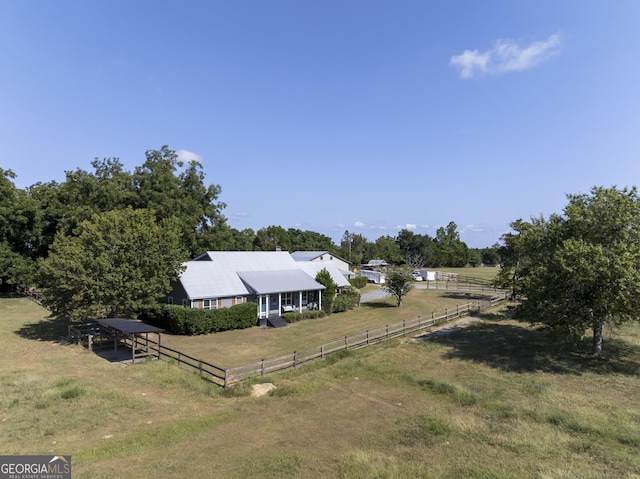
[[387, 332], [367, 336], [346, 343], [226, 378], [322, 351], [200, 366], [295, 358], [403, 326], [262, 368]]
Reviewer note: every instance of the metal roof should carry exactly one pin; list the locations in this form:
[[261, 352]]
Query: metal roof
[[307, 255], [215, 274], [376, 262], [128, 326], [269, 282], [312, 268]]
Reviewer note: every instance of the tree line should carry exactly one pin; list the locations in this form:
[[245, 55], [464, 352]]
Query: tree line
[[184, 210]]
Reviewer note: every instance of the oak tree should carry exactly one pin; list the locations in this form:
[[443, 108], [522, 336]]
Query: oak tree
[[581, 270], [114, 264]]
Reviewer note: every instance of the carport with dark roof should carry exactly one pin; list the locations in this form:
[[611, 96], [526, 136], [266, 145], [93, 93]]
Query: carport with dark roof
[[136, 332]]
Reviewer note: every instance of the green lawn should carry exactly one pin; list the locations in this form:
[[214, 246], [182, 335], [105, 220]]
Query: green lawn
[[493, 400], [236, 348]]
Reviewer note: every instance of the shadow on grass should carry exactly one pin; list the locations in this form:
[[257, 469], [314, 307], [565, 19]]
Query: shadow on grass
[[377, 305], [55, 329], [522, 348], [466, 296]]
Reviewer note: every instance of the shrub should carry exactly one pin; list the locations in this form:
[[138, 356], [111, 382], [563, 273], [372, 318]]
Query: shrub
[[342, 303], [295, 317], [359, 281], [324, 277], [353, 294], [192, 322]]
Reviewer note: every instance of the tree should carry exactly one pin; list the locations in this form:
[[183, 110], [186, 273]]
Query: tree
[[475, 257], [416, 250], [116, 263], [449, 249], [18, 242], [171, 189], [354, 248], [271, 238], [386, 248], [579, 271], [491, 256], [398, 283], [309, 241], [242, 239], [330, 287]]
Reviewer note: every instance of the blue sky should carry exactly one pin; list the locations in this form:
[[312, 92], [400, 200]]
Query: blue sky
[[368, 116]]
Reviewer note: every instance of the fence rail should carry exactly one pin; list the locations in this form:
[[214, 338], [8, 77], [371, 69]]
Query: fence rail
[[227, 376], [356, 341], [479, 286]]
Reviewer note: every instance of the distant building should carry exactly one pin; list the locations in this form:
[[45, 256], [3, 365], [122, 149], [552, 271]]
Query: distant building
[[314, 256]]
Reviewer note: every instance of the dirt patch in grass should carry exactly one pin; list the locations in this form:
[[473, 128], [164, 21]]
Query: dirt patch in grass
[[262, 389]]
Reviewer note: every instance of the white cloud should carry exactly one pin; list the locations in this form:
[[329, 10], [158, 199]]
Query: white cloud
[[506, 56], [364, 226], [408, 226], [472, 228], [470, 61], [187, 156]]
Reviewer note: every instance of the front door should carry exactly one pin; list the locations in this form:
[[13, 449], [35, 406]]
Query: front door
[[263, 300]]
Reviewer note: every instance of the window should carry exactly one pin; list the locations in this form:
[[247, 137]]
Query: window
[[210, 303], [169, 299], [304, 298], [239, 300], [287, 298]]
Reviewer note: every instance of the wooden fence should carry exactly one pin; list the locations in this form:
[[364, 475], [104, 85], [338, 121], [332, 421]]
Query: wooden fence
[[479, 286], [227, 376]]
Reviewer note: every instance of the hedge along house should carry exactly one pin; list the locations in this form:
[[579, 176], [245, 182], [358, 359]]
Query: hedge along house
[[272, 279]]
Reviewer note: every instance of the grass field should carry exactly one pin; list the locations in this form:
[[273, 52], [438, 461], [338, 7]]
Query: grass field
[[236, 348], [495, 399]]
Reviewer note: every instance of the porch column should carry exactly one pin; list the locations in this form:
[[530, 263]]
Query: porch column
[[300, 301], [279, 304], [319, 299], [268, 305]]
